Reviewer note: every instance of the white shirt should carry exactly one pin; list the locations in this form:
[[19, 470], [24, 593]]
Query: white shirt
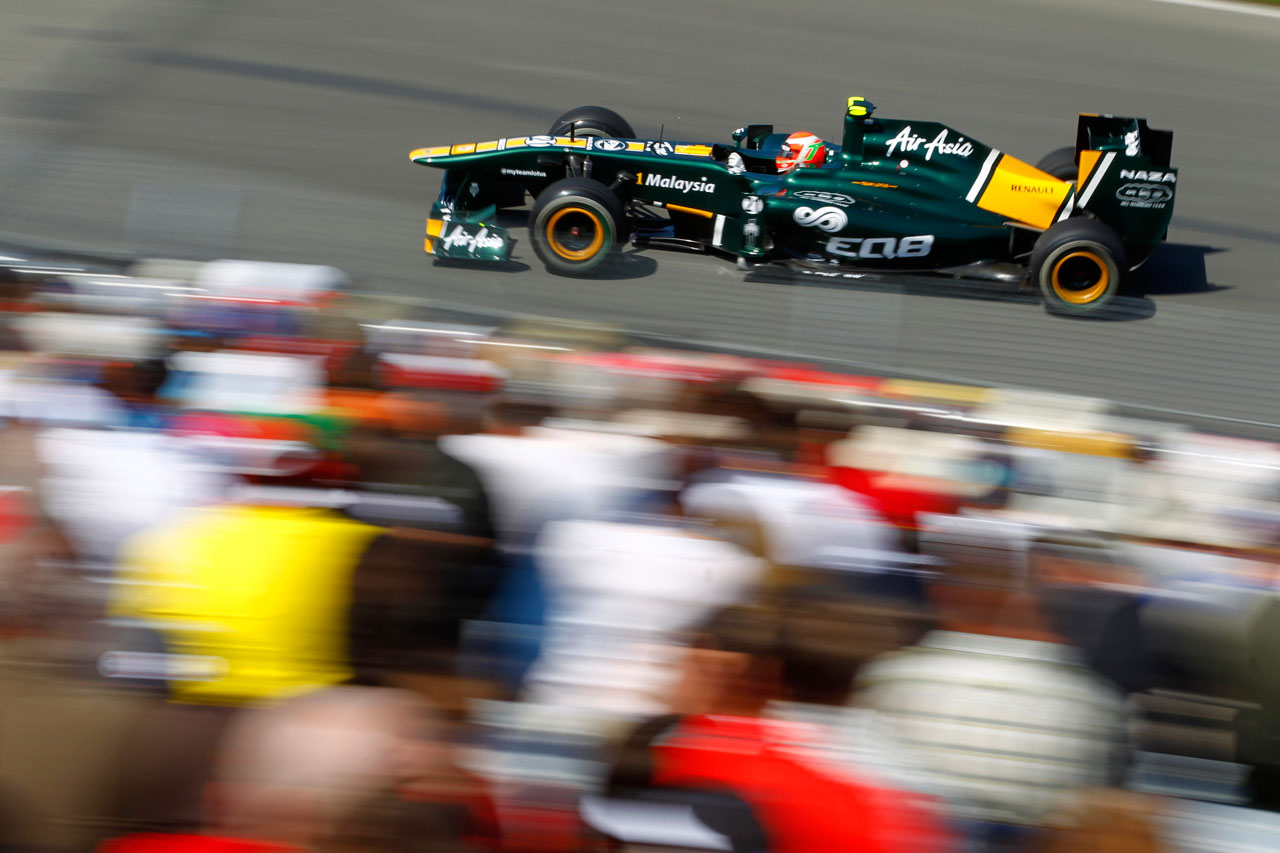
[[1005, 727], [549, 473], [104, 486], [806, 522], [619, 594]]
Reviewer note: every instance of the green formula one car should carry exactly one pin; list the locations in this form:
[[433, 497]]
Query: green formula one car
[[894, 196]]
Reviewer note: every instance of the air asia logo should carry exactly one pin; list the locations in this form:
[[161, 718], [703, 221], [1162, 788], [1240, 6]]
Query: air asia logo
[[482, 239], [609, 145], [1154, 177], [880, 248], [829, 219], [824, 197], [1144, 195], [753, 204], [908, 141], [662, 149], [524, 173], [540, 141], [702, 185], [1034, 189]]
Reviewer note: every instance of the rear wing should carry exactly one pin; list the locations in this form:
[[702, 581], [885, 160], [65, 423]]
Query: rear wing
[[1131, 136], [1125, 180]]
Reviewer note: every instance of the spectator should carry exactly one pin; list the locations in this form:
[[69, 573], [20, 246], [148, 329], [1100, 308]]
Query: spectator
[[1093, 602], [998, 711], [413, 591], [621, 589], [826, 638], [251, 596], [1107, 821], [724, 749], [343, 769], [413, 460]]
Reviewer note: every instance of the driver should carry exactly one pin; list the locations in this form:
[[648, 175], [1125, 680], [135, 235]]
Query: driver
[[801, 149]]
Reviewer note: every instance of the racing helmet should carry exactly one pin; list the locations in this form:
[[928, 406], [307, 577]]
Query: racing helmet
[[802, 149]]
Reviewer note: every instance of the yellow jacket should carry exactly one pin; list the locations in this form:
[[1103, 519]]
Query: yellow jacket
[[258, 595]]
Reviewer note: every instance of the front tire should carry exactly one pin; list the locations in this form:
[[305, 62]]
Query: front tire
[[575, 226], [592, 121], [1079, 265]]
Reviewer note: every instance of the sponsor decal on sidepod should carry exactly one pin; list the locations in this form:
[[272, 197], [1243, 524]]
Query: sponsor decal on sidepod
[[680, 184], [829, 219], [1144, 195], [908, 141], [824, 197], [1154, 177], [881, 248]]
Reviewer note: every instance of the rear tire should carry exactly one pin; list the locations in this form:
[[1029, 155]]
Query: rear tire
[[1079, 265], [575, 226], [592, 121], [1060, 163]]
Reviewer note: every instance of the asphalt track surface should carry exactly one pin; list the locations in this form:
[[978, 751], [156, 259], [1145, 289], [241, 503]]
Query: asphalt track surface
[[279, 129]]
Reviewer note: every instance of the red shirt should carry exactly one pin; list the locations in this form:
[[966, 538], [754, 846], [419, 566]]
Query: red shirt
[[159, 843], [899, 505], [803, 803]]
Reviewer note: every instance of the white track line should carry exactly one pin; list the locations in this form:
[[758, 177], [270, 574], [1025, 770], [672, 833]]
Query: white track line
[[1226, 6]]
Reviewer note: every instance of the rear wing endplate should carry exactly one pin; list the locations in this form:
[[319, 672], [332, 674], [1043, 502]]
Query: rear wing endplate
[[1130, 136]]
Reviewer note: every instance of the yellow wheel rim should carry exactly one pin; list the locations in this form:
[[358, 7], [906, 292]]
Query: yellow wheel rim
[[1066, 282], [567, 252]]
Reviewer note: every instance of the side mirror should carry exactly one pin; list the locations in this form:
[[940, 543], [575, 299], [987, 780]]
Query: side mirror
[[739, 135]]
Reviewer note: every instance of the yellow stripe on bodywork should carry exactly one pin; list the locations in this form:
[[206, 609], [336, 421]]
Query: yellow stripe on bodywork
[[1088, 160], [706, 214], [1023, 193], [428, 246], [463, 148], [434, 227], [518, 142], [436, 151], [486, 146], [571, 142], [694, 150], [635, 146]]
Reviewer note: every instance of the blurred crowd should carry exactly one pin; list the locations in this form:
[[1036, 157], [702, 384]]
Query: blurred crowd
[[286, 567]]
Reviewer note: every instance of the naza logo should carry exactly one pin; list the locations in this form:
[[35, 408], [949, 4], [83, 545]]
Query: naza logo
[[1149, 193], [1143, 175]]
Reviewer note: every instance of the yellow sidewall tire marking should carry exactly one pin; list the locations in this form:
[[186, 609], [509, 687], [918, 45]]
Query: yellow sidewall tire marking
[[1089, 294], [574, 254]]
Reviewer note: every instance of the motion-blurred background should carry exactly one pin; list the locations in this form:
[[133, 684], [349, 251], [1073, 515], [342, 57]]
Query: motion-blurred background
[[335, 548]]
